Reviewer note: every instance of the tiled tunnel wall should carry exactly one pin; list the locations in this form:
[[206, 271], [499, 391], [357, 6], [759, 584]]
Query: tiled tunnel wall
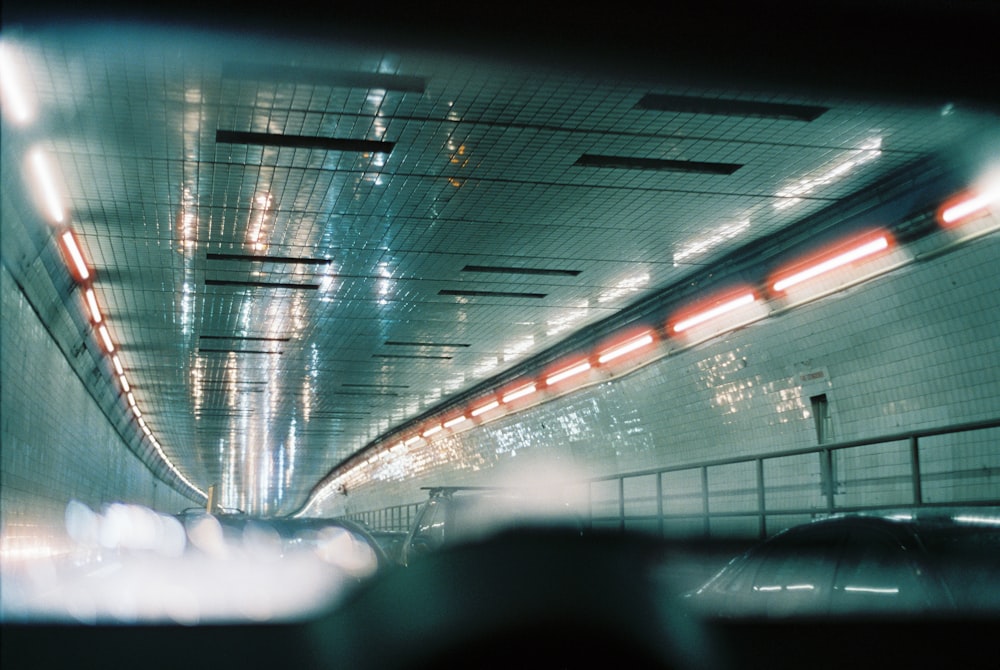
[[914, 349], [57, 443]]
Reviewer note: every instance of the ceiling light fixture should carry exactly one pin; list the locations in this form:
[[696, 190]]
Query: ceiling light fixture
[[14, 97], [965, 206], [77, 264], [95, 311], [519, 393], [106, 338], [625, 348], [720, 307], [485, 408], [566, 373], [45, 181], [840, 256], [431, 431], [454, 422]]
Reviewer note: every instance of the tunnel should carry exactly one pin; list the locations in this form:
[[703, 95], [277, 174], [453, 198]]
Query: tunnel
[[698, 276]]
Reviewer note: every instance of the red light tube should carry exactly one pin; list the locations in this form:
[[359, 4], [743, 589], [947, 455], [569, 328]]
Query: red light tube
[[106, 337], [625, 348], [719, 306], [485, 408], [454, 422], [77, 265], [519, 393], [967, 205], [566, 373], [95, 311], [838, 257]]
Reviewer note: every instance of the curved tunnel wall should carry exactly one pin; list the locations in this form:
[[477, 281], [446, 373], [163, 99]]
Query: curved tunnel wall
[[57, 444], [916, 348]]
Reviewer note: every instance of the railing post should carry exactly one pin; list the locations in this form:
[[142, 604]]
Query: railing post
[[704, 498], [762, 528], [621, 504], [918, 496], [826, 477], [659, 503]]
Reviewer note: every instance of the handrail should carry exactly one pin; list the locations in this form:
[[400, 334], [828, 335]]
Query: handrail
[[758, 489]]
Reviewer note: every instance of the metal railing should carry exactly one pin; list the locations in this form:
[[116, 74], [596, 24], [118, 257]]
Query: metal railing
[[755, 496]]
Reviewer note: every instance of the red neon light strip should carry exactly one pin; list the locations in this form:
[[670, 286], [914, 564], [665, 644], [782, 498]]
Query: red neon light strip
[[845, 257]]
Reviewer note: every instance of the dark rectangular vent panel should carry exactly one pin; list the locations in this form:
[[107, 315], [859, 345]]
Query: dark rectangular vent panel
[[260, 284], [376, 386], [303, 142], [244, 338], [491, 294], [664, 164], [418, 356], [496, 269], [316, 76], [393, 343], [238, 351], [724, 107], [281, 260]]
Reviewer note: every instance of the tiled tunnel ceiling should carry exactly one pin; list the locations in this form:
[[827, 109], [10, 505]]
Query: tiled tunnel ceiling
[[300, 246]]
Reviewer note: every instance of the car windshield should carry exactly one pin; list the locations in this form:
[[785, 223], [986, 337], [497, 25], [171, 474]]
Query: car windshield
[[633, 325]]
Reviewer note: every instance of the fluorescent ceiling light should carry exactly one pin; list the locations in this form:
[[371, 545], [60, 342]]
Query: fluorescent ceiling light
[[485, 408], [955, 211], [519, 393], [872, 247], [79, 266], [95, 311], [567, 373], [431, 431], [118, 364], [709, 314], [106, 338], [408, 442], [454, 422], [627, 347], [45, 181], [15, 100], [125, 385]]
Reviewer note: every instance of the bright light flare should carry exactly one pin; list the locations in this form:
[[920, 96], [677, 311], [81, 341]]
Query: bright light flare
[[106, 338], [841, 256], [16, 104], [77, 264], [485, 408], [46, 182], [625, 348], [720, 307], [968, 205], [566, 373], [519, 393], [95, 311]]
